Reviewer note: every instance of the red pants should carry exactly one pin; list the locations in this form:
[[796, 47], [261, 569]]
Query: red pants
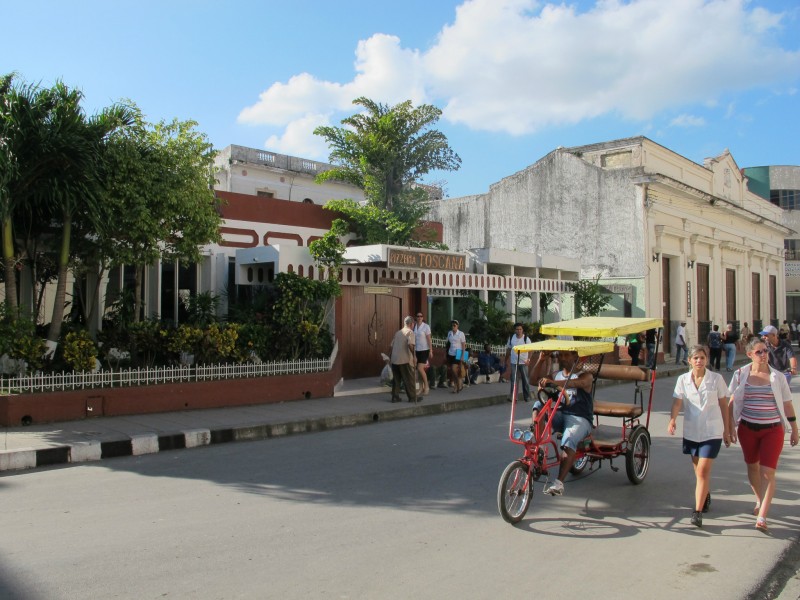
[[761, 446]]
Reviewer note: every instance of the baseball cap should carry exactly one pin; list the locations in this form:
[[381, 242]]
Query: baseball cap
[[768, 329]]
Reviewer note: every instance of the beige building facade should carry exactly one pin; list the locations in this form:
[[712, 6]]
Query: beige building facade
[[668, 237]]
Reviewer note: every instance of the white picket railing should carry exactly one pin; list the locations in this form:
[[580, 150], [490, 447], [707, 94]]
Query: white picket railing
[[473, 347], [75, 380]]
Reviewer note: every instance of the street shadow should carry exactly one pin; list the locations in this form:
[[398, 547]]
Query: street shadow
[[11, 587], [453, 462]]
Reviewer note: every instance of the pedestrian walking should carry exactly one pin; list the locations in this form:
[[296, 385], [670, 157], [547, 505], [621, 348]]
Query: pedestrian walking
[[650, 343], [518, 373], [744, 336], [702, 395], [761, 403], [457, 345], [680, 344], [404, 362], [729, 339], [781, 355], [714, 347], [634, 347], [422, 348]]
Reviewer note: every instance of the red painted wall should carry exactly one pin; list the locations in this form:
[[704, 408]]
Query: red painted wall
[[111, 402]]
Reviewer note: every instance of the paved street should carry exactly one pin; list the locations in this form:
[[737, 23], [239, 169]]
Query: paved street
[[394, 510]]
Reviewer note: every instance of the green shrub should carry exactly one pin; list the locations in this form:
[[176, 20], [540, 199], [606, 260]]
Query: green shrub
[[80, 351], [20, 340]]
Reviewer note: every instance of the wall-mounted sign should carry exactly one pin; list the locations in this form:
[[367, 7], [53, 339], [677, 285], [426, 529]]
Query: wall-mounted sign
[[688, 298], [373, 289], [792, 268], [419, 259], [447, 293], [396, 281]]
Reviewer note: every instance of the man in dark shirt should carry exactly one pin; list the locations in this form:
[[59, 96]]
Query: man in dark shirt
[[650, 342], [781, 356]]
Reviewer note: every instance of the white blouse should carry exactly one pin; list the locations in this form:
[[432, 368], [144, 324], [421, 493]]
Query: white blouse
[[702, 416]]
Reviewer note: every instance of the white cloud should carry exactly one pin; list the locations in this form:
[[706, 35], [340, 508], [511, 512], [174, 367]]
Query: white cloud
[[520, 65], [687, 121], [298, 138], [384, 71]]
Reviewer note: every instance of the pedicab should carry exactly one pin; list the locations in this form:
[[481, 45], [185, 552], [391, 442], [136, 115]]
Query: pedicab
[[620, 428]]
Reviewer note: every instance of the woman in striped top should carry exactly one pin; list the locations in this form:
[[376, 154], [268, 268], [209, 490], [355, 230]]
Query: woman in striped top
[[760, 401]]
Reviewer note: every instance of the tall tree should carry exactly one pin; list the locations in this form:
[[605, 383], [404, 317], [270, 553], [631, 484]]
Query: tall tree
[[24, 111], [386, 149], [49, 158], [159, 200], [73, 183]]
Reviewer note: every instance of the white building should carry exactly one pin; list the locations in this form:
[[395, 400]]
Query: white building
[[668, 237]]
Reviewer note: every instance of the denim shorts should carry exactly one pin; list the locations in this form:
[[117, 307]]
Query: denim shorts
[[574, 429], [706, 449]]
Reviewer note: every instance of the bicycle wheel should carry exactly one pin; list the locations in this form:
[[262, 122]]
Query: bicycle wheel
[[637, 459], [579, 465], [514, 492]]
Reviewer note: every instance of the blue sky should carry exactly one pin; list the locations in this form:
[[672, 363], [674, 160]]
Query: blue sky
[[514, 78]]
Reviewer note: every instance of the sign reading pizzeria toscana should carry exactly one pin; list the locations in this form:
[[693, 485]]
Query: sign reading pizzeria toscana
[[416, 259]]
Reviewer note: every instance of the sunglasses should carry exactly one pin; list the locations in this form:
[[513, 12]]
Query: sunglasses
[[759, 352], [419, 316]]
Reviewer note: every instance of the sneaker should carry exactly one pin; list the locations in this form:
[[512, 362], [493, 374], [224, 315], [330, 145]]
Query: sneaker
[[554, 489], [697, 518], [707, 503]]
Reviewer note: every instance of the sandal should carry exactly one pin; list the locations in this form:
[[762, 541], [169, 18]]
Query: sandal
[[756, 510], [761, 524]]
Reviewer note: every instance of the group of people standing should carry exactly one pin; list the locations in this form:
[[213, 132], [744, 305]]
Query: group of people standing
[[410, 354], [753, 409]]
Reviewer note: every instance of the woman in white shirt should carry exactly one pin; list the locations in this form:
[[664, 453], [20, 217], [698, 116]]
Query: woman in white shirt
[[458, 342], [702, 394]]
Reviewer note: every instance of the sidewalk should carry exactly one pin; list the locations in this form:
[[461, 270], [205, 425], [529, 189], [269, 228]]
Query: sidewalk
[[356, 402]]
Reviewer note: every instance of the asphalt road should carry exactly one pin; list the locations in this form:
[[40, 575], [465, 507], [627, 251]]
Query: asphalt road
[[393, 510]]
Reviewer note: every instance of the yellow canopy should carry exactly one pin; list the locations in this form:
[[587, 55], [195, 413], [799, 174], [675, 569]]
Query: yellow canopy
[[601, 327], [582, 347]]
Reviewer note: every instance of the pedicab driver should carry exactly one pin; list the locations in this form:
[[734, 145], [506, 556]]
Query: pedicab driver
[[574, 417]]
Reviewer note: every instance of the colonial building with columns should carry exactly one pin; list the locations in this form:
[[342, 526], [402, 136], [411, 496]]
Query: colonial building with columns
[[668, 237]]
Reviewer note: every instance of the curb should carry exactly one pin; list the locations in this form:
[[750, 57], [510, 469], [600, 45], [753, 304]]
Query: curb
[[93, 450]]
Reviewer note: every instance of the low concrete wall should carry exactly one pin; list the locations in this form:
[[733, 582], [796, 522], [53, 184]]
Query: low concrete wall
[[26, 409]]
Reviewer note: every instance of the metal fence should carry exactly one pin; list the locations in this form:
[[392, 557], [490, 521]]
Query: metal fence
[[473, 347], [75, 380]]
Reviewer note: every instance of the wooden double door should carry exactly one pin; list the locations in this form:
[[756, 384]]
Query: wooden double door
[[368, 324]]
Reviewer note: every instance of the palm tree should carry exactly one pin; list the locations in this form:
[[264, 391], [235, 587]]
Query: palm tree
[[386, 149], [24, 111], [51, 158], [73, 183]]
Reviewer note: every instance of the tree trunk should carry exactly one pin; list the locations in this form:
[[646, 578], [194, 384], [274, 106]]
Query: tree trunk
[[138, 291], [9, 264], [59, 303]]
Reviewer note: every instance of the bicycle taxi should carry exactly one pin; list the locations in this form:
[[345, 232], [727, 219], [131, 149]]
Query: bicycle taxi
[[620, 427]]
